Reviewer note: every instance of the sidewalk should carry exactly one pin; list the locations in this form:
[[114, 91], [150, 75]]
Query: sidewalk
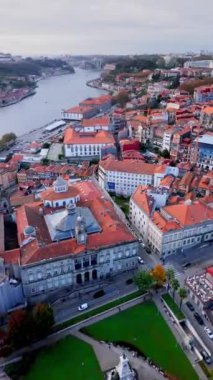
[[188, 353]]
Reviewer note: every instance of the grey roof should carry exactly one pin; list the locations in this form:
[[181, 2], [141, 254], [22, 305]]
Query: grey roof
[[61, 224], [60, 182]]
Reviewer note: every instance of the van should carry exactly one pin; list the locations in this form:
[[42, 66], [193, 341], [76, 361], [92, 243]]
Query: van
[[82, 307]]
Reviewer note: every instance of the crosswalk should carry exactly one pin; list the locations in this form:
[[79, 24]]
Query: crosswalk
[[179, 275]]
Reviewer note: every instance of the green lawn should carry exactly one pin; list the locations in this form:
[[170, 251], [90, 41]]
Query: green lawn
[[98, 310], [144, 327], [68, 359], [173, 306]]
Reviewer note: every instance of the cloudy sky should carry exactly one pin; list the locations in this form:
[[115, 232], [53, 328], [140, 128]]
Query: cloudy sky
[[105, 26]]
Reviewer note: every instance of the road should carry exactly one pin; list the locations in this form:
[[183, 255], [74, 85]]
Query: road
[[67, 308]]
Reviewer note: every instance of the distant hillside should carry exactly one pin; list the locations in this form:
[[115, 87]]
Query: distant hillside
[[31, 66]]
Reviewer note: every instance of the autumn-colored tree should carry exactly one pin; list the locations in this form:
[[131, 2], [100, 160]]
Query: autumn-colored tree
[[43, 320], [20, 328], [159, 274], [182, 294]]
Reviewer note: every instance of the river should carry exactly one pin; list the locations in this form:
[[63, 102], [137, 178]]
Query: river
[[52, 95]]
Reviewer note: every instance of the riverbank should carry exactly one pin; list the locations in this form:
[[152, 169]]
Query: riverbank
[[23, 96], [52, 95], [95, 83]]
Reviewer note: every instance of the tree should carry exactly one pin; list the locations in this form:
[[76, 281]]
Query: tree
[[43, 320], [159, 274], [45, 161], [182, 294], [122, 98], [8, 137], [175, 285], [144, 280], [46, 145], [170, 275], [20, 328], [165, 153]]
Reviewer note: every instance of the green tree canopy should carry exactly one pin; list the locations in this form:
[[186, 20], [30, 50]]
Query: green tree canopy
[[182, 294], [175, 286], [144, 280]]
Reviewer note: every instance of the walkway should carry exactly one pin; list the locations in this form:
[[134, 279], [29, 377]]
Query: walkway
[[108, 357], [191, 356]]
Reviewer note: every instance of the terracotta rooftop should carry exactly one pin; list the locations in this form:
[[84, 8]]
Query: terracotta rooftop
[[144, 201], [51, 195], [128, 166], [103, 121], [113, 230], [79, 109], [100, 137], [189, 214]]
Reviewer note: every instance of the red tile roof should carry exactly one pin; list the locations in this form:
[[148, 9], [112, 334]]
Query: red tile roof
[[79, 109], [95, 121], [51, 195], [113, 230], [189, 214], [128, 166], [144, 201], [100, 137]]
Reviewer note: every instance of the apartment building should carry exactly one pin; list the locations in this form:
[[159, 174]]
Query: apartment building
[[143, 203], [179, 227], [123, 176], [206, 117]]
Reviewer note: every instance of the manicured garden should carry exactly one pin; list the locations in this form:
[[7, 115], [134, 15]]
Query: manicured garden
[[173, 306], [143, 327], [70, 358]]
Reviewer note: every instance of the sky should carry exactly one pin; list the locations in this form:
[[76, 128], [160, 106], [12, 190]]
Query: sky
[[105, 26]]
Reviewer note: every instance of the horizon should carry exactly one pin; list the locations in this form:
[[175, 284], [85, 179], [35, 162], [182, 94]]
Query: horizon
[[113, 27]]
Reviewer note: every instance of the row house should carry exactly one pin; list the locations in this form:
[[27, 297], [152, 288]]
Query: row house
[[203, 94], [180, 147], [206, 117]]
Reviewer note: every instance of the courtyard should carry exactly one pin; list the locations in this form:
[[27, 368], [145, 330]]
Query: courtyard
[[143, 327]]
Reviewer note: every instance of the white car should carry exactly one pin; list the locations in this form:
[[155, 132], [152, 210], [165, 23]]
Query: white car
[[82, 307], [208, 332], [140, 260]]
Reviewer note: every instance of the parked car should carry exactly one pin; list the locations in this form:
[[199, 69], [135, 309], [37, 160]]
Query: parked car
[[82, 307], [140, 260], [148, 250], [186, 265], [198, 318], [208, 332], [190, 306], [206, 357]]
